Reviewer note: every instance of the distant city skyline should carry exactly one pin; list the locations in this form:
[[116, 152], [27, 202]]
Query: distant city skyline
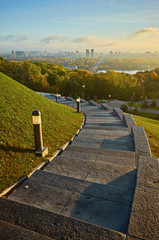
[[104, 25]]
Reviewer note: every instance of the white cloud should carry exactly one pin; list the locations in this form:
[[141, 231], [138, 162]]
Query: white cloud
[[50, 39], [84, 39], [14, 38], [144, 32]]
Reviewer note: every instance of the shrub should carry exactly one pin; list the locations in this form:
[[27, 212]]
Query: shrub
[[87, 97], [145, 104], [95, 98], [154, 103], [135, 111], [124, 108]]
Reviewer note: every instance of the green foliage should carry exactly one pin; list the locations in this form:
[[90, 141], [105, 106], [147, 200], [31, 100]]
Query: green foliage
[[95, 98], [154, 103], [124, 108], [145, 103], [48, 77], [2, 59], [17, 156]]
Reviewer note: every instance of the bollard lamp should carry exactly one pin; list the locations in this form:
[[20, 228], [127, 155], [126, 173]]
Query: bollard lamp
[[57, 97], [78, 104], [36, 115], [78, 99], [43, 151]]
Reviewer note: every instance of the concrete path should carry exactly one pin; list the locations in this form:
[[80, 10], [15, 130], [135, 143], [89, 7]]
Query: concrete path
[[94, 178]]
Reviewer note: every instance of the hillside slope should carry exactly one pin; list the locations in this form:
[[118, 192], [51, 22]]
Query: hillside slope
[[151, 127], [17, 156]]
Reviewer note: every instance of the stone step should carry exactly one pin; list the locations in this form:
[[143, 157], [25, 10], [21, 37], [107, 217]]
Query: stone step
[[104, 114], [119, 160], [93, 110], [53, 225], [102, 151], [12, 232], [99, 118], [102, 136], [88, 164], [107, 132], [63, 185], [79, 205], [93, 127], [105, 143], [111, 193], [106, 124], [99, 172], [99, 137]]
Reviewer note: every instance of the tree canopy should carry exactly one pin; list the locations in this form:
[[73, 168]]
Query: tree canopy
[[49, 77]]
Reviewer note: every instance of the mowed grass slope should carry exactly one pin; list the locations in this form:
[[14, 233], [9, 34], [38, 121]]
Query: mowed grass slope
[[17, 155], [151, 127]]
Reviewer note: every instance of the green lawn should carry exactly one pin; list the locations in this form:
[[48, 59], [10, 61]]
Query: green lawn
[[145, 115], [151, 127], [17, 155]]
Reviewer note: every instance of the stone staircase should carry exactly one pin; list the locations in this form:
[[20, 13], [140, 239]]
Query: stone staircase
[[86, 192]]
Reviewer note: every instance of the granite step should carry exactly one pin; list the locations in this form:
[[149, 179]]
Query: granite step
[[99, 172], [53, 225], [12, 232], [101, 151], [104, 114], [89, 164], [51, 183], [103, 118], [106, 124], [119, 160], [105, 133], [102, 136], [88, 205], [98, 137], [110, 127], [104, 143]]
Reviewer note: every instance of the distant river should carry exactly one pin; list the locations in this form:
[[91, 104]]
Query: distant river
[[123, 71]]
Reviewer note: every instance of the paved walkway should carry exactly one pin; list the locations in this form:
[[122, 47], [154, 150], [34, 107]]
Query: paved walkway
[[94, 178]]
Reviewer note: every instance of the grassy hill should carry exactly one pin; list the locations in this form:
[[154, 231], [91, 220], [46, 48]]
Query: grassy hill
[[17, 156], [151, 127]]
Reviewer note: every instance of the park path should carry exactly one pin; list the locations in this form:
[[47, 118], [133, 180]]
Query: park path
[[94, 179], [103, 186]]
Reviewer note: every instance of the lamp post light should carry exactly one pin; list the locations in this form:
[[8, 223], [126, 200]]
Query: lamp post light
[[109, 96], [41, 150], [78, 104], [83, 86], [57, 97]]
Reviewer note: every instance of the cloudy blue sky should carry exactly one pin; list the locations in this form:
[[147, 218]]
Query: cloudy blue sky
[[55, 25]]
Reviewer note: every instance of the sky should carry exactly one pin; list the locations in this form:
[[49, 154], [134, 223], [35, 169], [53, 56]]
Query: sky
[[69, 25]]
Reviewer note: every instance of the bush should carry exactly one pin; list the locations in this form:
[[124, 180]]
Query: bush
[[135, 111], [87, 98], [145, 104], [95, 98], [124, 108], [154, 103]]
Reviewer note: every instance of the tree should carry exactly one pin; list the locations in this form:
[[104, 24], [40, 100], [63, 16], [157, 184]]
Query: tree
[[154, 103]]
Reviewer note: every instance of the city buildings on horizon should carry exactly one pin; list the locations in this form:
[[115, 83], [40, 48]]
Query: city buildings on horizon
[[76, 54]]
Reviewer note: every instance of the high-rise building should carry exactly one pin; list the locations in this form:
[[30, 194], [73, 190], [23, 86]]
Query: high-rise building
[[92, 53], [34, 53], [13, 53], [87, 52], [19, 53]]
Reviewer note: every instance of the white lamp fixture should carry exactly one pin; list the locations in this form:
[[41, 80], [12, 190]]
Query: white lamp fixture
[[36, 117], [78, 99]]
